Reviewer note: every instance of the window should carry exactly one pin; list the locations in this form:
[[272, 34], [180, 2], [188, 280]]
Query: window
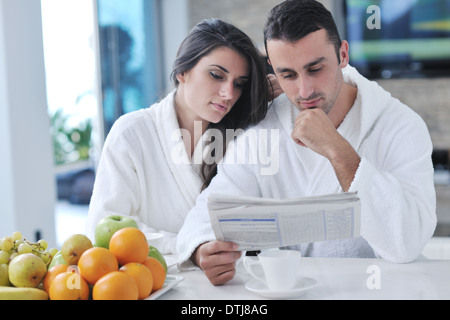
[[129, 56], [70, 63]]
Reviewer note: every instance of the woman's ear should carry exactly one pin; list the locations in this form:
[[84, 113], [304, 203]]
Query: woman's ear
[[180, 77]]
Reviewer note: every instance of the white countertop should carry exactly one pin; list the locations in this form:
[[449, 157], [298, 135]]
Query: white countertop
[[336, 279]]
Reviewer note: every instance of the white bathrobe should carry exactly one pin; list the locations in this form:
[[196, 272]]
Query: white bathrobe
[[145, 172], [394, 179]]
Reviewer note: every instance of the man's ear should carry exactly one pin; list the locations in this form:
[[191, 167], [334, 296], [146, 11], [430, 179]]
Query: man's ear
[[343, 52], [268, 61]]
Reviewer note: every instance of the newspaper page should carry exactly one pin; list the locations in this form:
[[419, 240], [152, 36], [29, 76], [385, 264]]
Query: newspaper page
[[261, 223]]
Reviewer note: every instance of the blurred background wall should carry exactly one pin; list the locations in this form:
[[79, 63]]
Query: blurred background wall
[[70, 68]]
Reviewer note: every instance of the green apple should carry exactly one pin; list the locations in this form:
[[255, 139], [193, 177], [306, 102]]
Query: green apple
[[153, 252], [57, 259], [4, 277], [73, 247], [106, 227], [27, 270]]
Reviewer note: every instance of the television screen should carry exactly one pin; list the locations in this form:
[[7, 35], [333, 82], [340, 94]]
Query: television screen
[[397, 38]]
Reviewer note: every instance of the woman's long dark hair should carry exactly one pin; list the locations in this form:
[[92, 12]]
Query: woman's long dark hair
[[252, 106]]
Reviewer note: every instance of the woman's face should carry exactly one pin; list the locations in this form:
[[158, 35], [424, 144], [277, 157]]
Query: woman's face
[[208, 91]]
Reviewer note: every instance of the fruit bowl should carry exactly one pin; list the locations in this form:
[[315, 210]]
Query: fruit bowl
[[171, 282]]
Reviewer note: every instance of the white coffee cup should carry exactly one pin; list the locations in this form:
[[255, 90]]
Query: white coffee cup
[[280, 268]]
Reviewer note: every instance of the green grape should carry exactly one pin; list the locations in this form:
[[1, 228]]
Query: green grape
[[7, 243], [43, 243], [24, 248], [53, 251], [45, 256], [16, 236], [17, 243], [13, 255], [35, 247], [4, 257]]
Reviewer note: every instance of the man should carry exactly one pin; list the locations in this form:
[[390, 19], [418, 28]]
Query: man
[[338, 132]]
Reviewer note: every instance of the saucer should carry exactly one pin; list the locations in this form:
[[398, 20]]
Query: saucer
[[303, 284]]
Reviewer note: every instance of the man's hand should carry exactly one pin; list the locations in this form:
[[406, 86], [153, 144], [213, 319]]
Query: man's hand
[[314, 130], [218, 260]]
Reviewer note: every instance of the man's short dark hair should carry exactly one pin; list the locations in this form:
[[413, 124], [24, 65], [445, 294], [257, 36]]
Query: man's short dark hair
[[292, 20]]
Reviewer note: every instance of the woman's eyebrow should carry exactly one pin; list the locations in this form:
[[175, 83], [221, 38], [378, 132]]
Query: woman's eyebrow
[[220, 67], [226, 71]]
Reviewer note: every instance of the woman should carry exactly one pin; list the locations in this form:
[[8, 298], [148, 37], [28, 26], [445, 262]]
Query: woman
[[157, 160]]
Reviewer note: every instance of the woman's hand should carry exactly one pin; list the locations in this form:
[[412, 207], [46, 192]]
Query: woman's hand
[[274, 87]]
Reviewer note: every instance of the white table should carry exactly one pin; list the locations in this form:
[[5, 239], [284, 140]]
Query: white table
[[336, 279]]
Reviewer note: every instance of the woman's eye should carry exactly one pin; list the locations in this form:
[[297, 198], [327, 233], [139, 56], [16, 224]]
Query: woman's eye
[[215, 76], [239, 85]]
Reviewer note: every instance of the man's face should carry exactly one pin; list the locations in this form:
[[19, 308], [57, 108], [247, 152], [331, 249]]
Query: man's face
[[308, 70]]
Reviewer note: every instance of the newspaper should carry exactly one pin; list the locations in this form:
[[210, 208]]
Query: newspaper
[[261, 223]]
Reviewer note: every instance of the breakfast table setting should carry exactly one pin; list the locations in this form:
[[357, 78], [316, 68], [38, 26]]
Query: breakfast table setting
[[320, 279]]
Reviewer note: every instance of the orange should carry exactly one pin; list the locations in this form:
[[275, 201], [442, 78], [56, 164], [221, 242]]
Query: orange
[[158, 272], [142, 276], [52, 273], [116, 285], [69, 286], [129, 245], [95, 263]]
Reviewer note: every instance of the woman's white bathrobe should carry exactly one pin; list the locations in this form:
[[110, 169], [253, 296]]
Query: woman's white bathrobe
[[394, 180], [144, 172]]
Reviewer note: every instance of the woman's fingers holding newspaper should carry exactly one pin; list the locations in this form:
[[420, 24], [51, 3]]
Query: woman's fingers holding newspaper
[[218, 260]]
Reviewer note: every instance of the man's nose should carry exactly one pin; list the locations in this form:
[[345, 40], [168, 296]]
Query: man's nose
[[305, 88]]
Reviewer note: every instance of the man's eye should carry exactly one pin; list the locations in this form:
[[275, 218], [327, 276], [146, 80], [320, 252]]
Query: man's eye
[[288, 76], [315, 70]]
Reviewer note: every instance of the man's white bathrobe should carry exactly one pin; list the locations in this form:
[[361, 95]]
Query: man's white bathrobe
[[394, 180], [144, 172]]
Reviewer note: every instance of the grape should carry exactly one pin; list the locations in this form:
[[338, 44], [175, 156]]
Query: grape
[[4, 257], [24, 248], [7, 243], [43, 243], [17, 243], [13, 255], [53, 251], [16, 236], [35, 247], [45, 256], [14, 245]]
